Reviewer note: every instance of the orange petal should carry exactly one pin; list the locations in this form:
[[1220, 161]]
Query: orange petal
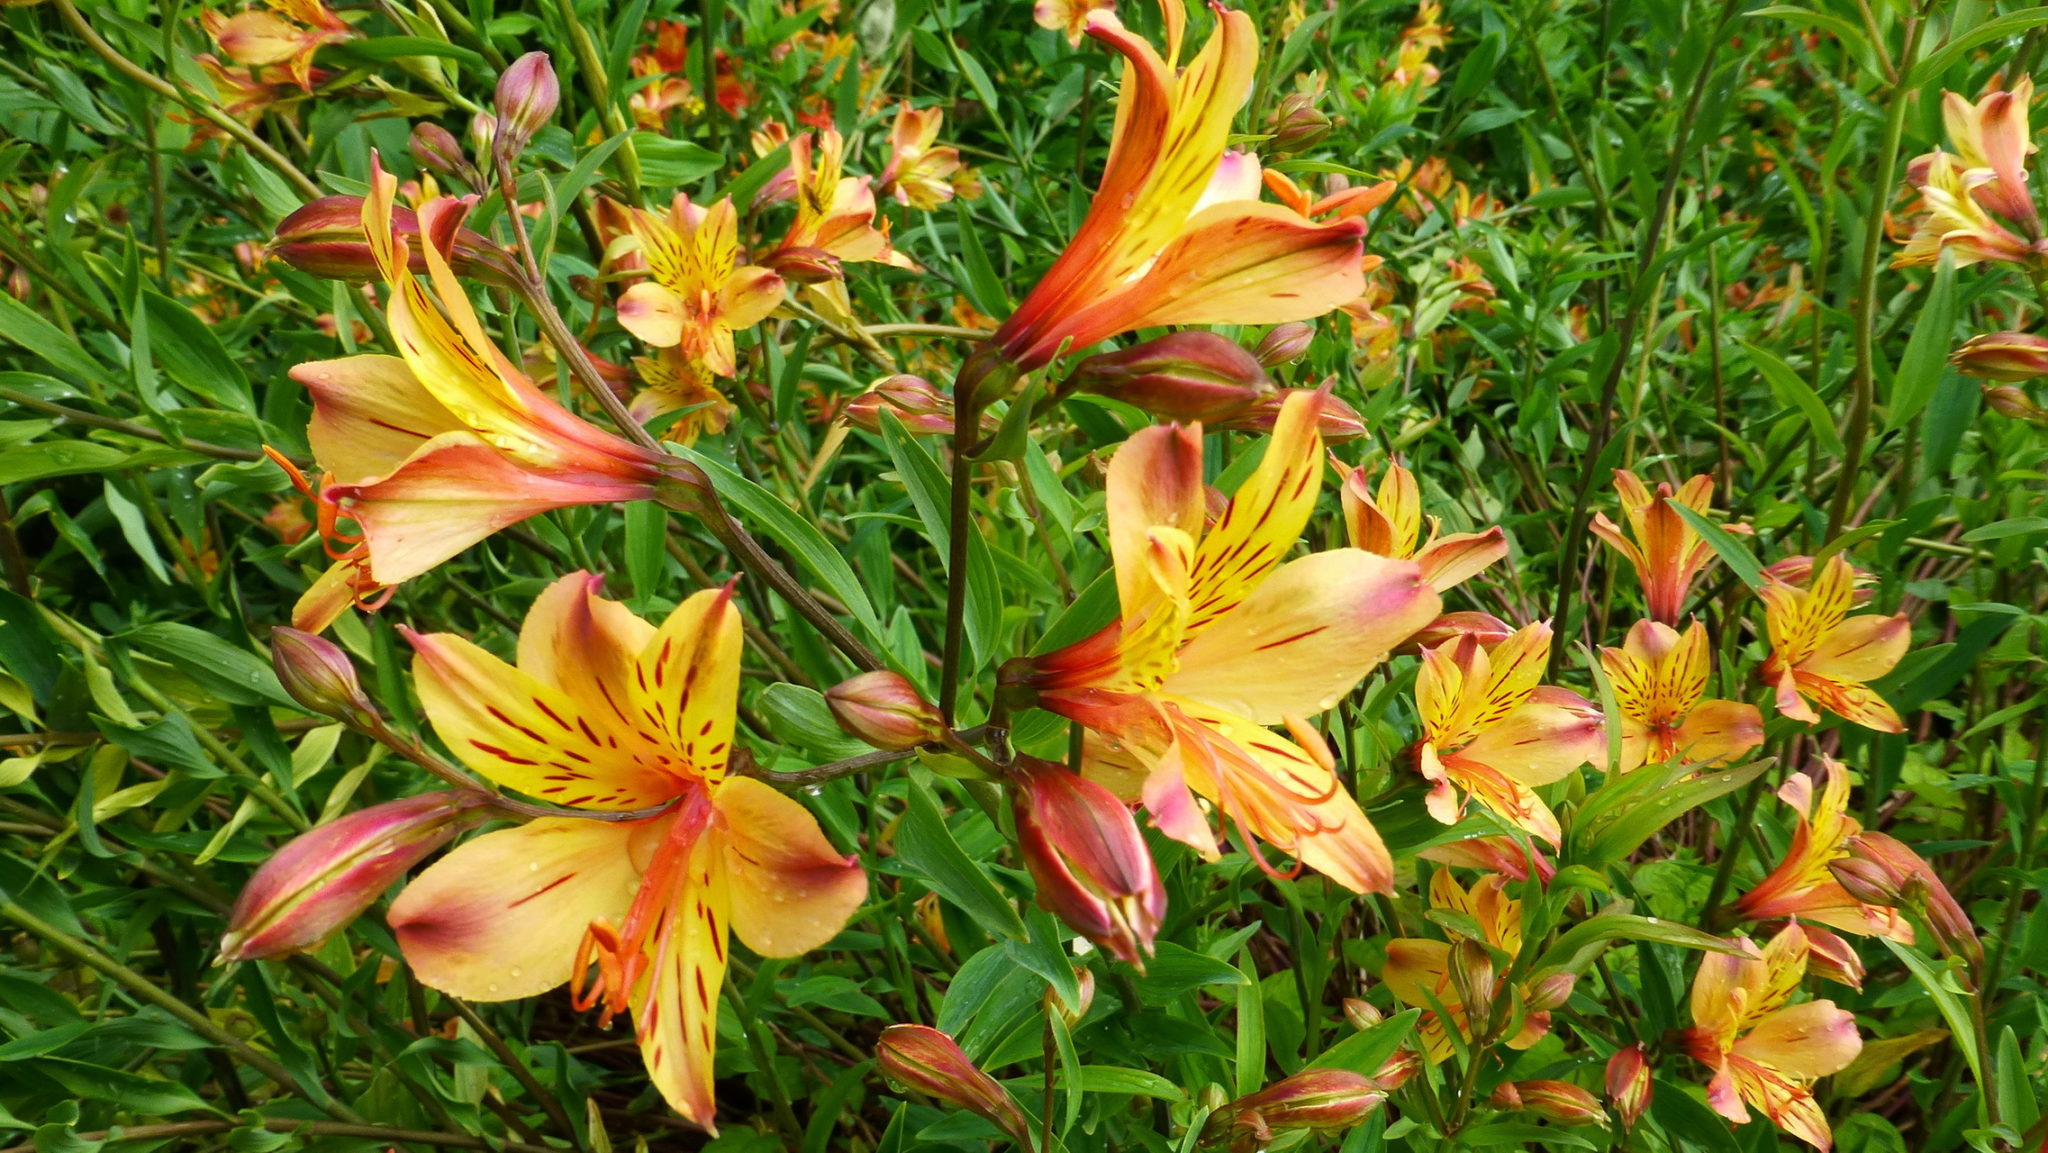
[[750, 294], [1859, 704], [1861, 648], [575, 640], [1509, 799], [1305, 636], [1788, 1104], [1451, 561], [792, 891], [1545, 739], [1718, 731], [675, 1012], [1810, 1040], [1154, 480], [500, 917], [369, 414]]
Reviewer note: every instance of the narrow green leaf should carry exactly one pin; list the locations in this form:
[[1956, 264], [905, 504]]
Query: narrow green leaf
[[20, 324], [1792, 391], [925, 844], [231, 673], [1926, 355], [1948, 1002], [1732, 552]]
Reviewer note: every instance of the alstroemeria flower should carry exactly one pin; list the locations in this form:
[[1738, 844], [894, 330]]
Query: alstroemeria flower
[[674, 382], [1659, 676], [286, 32], [1764, 1052], [1803, 885], [1419, 969], [1149, 253], [433, 450], [606, 712], [1389, 524], [835, 213], [700, 293], [1820, 653], [1666, 553], [1218, 639], [1344, 202], [1069, 18], [919, 173], [1951, 218], [1992, 144], [1489, 728]]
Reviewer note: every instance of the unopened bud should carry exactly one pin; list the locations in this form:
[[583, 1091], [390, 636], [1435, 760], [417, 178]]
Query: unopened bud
[[1091, 865], [884, 709], [1396, 1070], [1190, 376], [1298, 124], [1071, 1015], [527, 95], [1914, 885], [1284, 344], [1317, 1099], [325, 878], [2003, 356], [1628, 1083], [1866, 881], [435, 149], [325, 238], [1361, 1014], [317, 674], [1473, 979], [1831, 958], [804, 265], [924, 1059], [2010, 400], [1551, 992], [1338, 421], [923, 409], [1559, 1101]]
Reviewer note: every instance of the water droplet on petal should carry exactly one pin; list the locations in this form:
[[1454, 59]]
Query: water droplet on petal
[[515, 971], [492, 987]]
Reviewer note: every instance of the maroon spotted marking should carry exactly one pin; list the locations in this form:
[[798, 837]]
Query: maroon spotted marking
[[502, 755]]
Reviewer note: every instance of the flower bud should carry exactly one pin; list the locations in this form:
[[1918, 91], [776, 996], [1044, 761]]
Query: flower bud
[[435, 149], [804, 265], [1628, 1083], [325, 238], [1088, 859], [2012, 401], [1831, 958], [1320, 1099], [1338, 421], [1396, 1070], [527, 95], [1071, 1015], [1297, 125], [924, 1059], [1284, 344], [1189, 376], [1473, 979], [1888, 867], [1559, 1101], [1361, 1014], [318, 675], [325, 878], [923, 409], [1495, 854], [884, 709], [1551, 992], [2005, 356]]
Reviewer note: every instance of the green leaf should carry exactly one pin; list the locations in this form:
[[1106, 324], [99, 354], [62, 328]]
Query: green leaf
[[1926, 355], [1523, 1135], [1175, 970], [1576, 947], [1732, 552], [669, 163], [1792, 391], [192, 354], [926, 845], [58, 458], [1938, 62], [800, 716], [1947, 1001], [229, 672], [1999, 530], [131, 1091], [378, 49], [1365, 1052], [1130, 1082], [1611, 827], [24, 327]]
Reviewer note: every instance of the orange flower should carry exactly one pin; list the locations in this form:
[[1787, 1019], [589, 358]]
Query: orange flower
[[1490, 729], [1667, 554], [675, 383], [1992, 144], [1420, 971], [1218, 640], [1820, 653], [433, 450], [1951, 218], [700, 293], [608, 713], [1389, 524], [1804, 885], [919, 174], [1659, 676], [288, 32], [1069, 18], [1764, 1052], [1151, 251]]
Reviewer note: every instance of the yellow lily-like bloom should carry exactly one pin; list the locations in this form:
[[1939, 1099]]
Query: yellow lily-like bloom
[[1659, 676], [1666, 553], [1992, 143], [835, 213], [1820, 653], [1069, 18], [1218, 639], [1765, 1053], [1803, 885], [1389, 524], [606, 712], [674, 382], [700, 293], [433, 450], [285, 32], [1420, 970], [1489, 728], [1953, 219], [919, 173], [1152, 251]]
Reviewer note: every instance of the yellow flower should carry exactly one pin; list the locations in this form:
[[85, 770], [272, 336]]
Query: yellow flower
[[674, 383], [1667, 554], [608, 713], [700, 293], [1803, 885], [1952, 218], [919, 174], [1764, 1052], [1389, 524], [1069, 18], [1820, 653], [1419, 970], [1659, 676], [1218, 639], [1490, 729]]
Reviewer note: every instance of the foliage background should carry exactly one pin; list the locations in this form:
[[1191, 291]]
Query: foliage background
[[1684, 270]]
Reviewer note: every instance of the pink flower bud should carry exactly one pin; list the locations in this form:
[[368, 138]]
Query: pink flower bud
[[1552, 991], [1831, 958], [527, 95], [435, 148], [1284, 344], [1297, 124], [1338, 422], [923, 409], [1398, 1069], [325, 238], [1559, 1101], [2003, 356], [1628, 1083], [928, 1061], [1362, 1014], [1091, 865], [326, 877], [1473, 978], [1319, 1099], [884, 709], [318, 675], [2010, 400], [1190, 376], [1889, 868], [804, 265]]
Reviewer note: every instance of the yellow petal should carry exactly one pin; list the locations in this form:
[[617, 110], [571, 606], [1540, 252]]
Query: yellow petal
[[1718, 731], [575, 640], [791, 890], [1546, 739], [750, 294], [675, 1012], [1861, 648], [369, 415], [1264, 518], [1808, 1041], [1503, 795], [501, 916], [1451, 561], [686, 683], [652, 313], [1789, 1105], [530, 736], [1306, 636], [1154, 480]]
